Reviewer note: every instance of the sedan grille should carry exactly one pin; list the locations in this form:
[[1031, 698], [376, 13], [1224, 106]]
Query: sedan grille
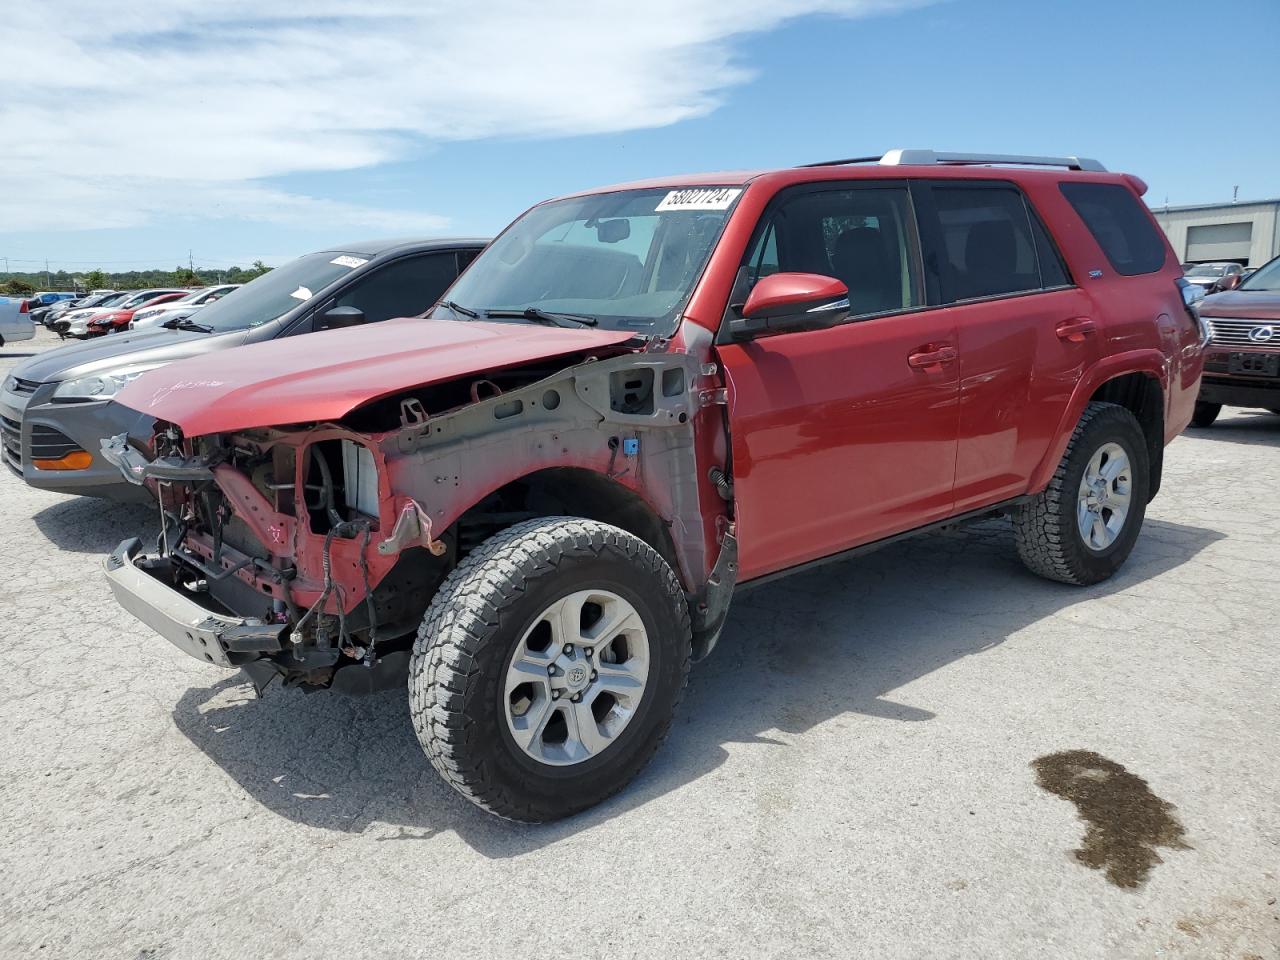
[[46, 443], [50, 444], [1228, 332], [11, 441]]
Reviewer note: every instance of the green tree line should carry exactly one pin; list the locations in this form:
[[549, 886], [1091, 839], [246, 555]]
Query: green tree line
[[23, 284]]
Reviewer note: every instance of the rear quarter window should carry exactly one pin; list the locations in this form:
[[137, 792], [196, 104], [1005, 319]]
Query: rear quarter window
[[1121, 226]]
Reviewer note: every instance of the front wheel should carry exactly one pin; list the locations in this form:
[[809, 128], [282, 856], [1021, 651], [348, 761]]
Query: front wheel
[[1205, 413], [1081, 528], [548, 667]]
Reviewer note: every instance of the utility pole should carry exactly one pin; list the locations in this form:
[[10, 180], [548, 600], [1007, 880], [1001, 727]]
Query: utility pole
[[1235, 193], [48, 277]]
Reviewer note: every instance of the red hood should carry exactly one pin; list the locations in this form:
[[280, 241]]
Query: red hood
[[324, 376], [1243, 304]]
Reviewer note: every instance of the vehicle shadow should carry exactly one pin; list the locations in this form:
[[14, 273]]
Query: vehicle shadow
[[91, 525], [830, 642], [1242, 426]]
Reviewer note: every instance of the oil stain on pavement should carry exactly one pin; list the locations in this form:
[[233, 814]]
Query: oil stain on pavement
[[1126, 821]]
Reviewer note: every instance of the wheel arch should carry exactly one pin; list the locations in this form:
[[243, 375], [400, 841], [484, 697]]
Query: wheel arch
[[1138, 381], [1140, 394], [577, 492]]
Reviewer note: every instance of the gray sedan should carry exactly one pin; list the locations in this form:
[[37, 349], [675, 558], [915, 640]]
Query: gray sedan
[[56, 407]]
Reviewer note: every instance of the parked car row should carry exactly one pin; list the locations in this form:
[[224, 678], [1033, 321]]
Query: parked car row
[[1216, 276], [65, 306], [40, 304], [163, 310], [113, 314], [531, 488]]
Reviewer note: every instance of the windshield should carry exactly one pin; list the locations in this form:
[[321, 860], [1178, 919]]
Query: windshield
[[111, 300], [628, 260], [1207, 270], [274, 294], [1266, 277]]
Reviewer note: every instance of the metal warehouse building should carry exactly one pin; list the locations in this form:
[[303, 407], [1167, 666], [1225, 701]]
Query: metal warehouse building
[[1248, 233]]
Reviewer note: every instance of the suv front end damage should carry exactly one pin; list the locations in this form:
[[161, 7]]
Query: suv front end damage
[[312, 553]]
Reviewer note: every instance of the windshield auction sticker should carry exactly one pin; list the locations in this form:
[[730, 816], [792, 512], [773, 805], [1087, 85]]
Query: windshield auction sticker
[[698, 198], [346, 261]]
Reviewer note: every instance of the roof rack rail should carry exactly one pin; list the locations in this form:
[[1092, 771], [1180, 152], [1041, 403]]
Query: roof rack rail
[[841, 163], [928, 158]]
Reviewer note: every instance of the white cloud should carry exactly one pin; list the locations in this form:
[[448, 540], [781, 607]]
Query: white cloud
[[185, 107]]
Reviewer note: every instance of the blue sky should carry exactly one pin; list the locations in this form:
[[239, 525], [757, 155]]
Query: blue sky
[[238, 133]]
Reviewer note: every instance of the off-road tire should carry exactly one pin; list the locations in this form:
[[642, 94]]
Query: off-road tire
[[1045, 529], [470, 630], [1205, 414]]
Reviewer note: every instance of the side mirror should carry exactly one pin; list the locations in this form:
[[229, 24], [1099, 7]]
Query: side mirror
[[1229, 282], [1192, 293], [338, 317], [784, 302]]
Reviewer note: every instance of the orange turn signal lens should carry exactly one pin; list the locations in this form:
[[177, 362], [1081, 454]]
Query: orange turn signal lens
[[79, 460]]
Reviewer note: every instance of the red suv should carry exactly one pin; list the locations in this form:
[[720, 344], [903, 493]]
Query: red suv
[[538, 502]]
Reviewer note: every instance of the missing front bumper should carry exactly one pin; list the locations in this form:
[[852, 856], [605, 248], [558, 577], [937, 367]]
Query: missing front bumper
[[198, 632]]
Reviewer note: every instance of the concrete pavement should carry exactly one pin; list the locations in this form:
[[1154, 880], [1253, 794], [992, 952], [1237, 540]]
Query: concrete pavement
[[850, 774]]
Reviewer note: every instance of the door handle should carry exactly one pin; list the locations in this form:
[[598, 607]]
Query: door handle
[[1075, 329], [927, 359]]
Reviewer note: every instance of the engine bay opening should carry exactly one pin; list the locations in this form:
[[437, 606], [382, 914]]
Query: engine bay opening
[[341, 485]]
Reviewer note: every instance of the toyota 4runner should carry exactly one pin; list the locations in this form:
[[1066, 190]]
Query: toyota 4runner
[[539, 501]]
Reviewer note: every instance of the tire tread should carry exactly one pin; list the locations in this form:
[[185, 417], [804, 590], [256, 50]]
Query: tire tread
[[1044, 525], [468, 608]]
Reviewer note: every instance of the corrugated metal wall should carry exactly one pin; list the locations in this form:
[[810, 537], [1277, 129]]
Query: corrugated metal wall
[[1230, 231]]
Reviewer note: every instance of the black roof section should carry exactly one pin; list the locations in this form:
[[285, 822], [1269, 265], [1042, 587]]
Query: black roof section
[[396, 245]]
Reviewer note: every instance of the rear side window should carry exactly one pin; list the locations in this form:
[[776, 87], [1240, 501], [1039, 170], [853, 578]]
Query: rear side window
[[1119, 224], [987, 246]]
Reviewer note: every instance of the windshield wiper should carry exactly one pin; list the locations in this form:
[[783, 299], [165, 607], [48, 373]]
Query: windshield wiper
[[186, 323], [538, 315], [460, 309]]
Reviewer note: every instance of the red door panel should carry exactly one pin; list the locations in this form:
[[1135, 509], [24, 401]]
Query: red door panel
[[1020, 359], [838, 438]]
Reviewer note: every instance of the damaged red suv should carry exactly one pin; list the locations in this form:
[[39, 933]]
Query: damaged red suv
[[538, 502]]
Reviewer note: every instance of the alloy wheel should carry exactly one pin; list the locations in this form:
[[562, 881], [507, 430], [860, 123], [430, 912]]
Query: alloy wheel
[[576, 678], [1106, 491]]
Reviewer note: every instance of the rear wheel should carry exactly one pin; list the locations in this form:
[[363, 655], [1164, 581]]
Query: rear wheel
[[548, 667], [1205, 414], [1081, 528]]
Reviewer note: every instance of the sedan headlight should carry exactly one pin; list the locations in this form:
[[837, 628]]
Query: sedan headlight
[[102, 386], [143, 314]]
